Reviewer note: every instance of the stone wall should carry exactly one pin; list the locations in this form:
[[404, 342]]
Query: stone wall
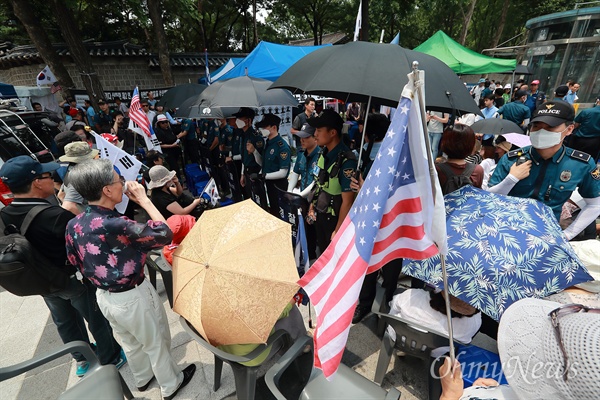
[[115, 74]]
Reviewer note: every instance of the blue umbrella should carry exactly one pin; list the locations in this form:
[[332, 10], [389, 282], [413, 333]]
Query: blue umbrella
[[500, 249]]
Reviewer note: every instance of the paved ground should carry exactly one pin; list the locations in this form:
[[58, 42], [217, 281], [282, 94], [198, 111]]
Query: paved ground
[[27, 330]]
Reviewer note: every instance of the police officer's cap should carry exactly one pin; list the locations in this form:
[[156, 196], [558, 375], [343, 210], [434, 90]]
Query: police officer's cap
[[329, 119], [305, 131], [245, 112], [269, 120], [554, 113]]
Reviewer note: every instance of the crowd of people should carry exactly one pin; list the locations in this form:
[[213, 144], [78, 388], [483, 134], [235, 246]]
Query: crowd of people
[[250, 159]]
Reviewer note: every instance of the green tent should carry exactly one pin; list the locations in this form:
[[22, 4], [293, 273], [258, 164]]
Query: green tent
[[462, 60]]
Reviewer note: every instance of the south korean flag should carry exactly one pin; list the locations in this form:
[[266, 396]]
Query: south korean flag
[[126, 165]]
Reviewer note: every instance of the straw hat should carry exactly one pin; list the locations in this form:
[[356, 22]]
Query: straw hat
[[77, 152], [159, 176]]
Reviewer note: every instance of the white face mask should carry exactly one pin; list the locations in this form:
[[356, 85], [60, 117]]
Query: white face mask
[[239, 123], [544, 139], [264, 132]]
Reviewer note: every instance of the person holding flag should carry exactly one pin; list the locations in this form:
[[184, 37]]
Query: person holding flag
[[140, 124], [394, 216]]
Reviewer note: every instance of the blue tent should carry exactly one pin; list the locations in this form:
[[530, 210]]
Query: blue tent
[[7, 91], [269, 61]]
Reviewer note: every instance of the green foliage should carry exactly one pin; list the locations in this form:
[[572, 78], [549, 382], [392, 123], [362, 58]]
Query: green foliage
[[227, 25]]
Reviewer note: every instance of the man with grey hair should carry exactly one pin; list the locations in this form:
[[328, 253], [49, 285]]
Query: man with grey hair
[[113, 260], [31, 183]]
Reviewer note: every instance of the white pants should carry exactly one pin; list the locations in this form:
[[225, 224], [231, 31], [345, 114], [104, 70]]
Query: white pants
[[140, 320]]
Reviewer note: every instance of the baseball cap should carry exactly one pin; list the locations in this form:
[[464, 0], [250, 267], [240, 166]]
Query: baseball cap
[[506, 146], [535, 82], [100, 102], [245, 112], [306, 131], [113, 139], [19, 171], [531, 357], [482, 80], [161, 118], [507, 86], [269, 120], [561, 91], [554, 113], [328, 118]]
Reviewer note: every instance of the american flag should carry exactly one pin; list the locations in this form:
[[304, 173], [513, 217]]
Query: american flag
[[138, 116], [392, 217]]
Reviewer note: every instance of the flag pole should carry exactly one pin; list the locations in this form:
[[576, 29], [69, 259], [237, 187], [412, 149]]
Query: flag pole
[[362, 139], [432, 176]]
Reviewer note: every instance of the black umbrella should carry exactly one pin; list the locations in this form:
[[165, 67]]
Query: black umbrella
[[358, 71], [189, 109], [243, 91], [178, 94], [496, 126]]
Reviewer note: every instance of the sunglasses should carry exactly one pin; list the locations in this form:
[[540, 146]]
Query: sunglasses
[[561, 312]]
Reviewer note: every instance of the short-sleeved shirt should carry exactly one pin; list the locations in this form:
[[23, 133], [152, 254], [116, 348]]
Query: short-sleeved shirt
[[226, 138], [161, 201], [251, 136], [435, 126], [91, 115], [590, 123], [346, 170], [189, 126], [276, 156], [567, 170], [299, 121], [306, 167], [109, 249], [212, 132], [516, 112]]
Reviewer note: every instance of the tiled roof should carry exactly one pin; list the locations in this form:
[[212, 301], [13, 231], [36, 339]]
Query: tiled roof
[[329, 38], [13, 56]]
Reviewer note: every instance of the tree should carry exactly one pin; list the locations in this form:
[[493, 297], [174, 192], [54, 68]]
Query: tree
[[80, 55], [467, 22], [160, 38], [23, 10]]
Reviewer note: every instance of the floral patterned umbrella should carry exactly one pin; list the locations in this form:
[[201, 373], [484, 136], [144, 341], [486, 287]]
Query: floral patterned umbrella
[[501, 249]]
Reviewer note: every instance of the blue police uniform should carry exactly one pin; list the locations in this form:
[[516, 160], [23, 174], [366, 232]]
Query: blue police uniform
[[276, 156], [552, 181], [306, 167], [516, 112], [226, 139], [250, 164]]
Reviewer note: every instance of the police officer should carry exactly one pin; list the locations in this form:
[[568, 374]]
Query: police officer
[[548, 171], [252, 145], [333, 197], [276, 160]]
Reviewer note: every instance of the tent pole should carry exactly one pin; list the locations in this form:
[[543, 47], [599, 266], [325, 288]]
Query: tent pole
[[432, 176]]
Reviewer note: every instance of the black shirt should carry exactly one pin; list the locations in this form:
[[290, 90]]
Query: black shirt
[[161, 200], [47, 231]]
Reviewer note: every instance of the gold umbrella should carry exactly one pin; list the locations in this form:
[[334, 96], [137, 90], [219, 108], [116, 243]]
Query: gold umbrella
[[234, 273]]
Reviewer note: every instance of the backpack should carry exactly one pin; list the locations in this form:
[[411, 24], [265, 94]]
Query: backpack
[[24, 271], [453, 181]]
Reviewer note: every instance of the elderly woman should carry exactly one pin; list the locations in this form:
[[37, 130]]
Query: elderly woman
[[110, 250], [167, 193]]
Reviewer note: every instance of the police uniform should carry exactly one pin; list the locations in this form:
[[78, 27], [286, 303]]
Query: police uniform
[[226, 140], [251, 167], [276, 156], [328, 197], [306, 167], [552, 181]]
